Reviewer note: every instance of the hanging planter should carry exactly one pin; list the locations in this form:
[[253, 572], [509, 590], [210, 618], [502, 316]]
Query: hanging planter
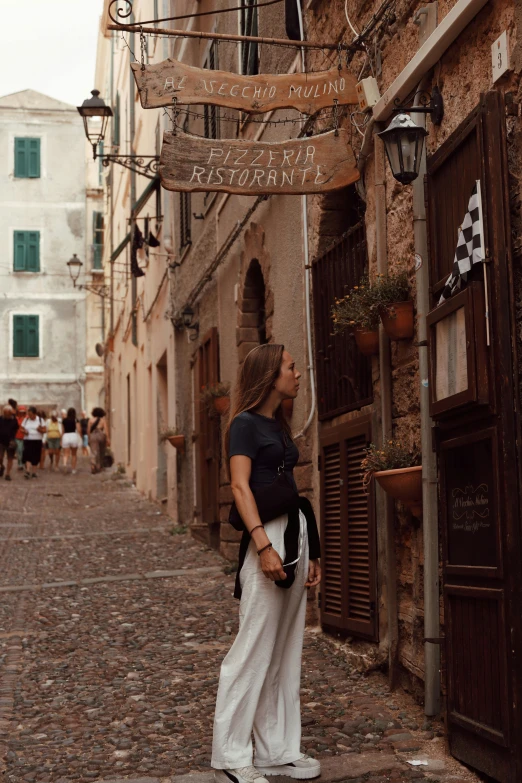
[[404, 484], [397, 319], [217, 398], [174, 438], [397, 471], [287, 407], [221, 405], [367, 341]]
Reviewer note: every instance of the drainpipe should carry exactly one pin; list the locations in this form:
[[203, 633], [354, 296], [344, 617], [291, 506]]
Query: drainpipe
[[385, 506], [306, 256], [429, 462]]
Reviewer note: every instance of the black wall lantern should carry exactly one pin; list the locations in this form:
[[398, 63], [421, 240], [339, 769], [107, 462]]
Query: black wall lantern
[[403, 141], [75, 267], [187, 317], [95, 114]]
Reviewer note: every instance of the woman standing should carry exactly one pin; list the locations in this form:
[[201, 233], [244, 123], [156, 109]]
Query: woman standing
[[54, 436], [260, 677], [98, 438], [33, 428], [71, 439]]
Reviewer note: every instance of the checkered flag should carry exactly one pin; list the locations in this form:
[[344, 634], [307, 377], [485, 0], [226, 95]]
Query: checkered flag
[[470, 245]]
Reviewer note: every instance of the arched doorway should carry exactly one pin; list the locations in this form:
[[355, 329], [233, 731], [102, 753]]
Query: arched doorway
[[253, 314]]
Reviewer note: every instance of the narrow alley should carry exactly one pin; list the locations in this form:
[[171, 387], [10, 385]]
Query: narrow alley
[[112, 628]]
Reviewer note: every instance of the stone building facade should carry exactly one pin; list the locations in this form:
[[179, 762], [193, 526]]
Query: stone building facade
[[436, 609]]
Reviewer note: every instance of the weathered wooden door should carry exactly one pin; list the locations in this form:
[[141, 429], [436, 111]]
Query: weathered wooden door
[[348, 592], [476, 424], [209, 437]]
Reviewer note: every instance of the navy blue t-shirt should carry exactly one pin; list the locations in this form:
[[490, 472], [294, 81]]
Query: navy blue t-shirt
[[263, 440]]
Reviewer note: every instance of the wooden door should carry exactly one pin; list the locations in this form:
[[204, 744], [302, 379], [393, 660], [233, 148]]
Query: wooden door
[[348, 592], [477, 455], [209, 437]]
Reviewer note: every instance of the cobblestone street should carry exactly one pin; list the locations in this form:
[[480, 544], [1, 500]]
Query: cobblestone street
[[113, 624]]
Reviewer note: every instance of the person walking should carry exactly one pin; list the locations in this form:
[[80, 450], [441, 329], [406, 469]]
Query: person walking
[[33, 428], [98, 438], [71, 439], [54, 437], [20, 416], [8, 429], [43, 416], [84, 423], [259, 681]]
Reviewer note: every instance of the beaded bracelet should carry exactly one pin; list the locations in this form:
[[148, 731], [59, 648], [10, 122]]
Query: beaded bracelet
[[268, 546]]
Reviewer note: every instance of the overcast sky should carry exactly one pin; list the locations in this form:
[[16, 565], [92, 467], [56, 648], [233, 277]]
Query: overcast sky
[[49, 46]]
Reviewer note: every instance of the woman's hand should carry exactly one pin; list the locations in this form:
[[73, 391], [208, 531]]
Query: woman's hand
[[314, 573], [272, 565]]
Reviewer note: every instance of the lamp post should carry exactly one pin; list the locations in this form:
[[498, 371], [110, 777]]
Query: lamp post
[[403, 141], [95, 114], [187, 317], [75, 268]]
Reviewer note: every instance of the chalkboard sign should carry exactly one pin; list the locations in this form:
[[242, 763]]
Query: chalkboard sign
[[470, 500]]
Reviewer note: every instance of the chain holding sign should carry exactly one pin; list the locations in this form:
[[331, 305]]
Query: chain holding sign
[[305, 92], [308, 165]]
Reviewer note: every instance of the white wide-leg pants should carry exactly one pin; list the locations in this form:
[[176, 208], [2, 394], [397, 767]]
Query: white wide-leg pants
[[260, 677]]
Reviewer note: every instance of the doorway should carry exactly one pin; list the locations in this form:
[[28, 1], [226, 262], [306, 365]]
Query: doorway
[[162, 401], [209, 441]]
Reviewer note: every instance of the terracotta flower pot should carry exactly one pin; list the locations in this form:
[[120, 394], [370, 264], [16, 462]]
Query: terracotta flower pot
[[404, 484], [287, 408], [178, 441], [367, 341], [221, 405], [397, 319]]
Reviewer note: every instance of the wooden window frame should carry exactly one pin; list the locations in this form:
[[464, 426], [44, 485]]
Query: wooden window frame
[[23, 239], [24, 353], [477, 391], [23, 164]]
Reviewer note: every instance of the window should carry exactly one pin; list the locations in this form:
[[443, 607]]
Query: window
[[27, 158], [26, 336], [100, 164], [26, 251], [116, 122], [97, 240], [211, 113], [248, 24]]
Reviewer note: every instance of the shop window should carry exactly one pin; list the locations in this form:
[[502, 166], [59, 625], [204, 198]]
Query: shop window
[[27, 158], [26, 337], [26, 251]]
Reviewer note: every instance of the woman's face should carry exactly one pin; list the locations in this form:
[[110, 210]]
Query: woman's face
[[287, 384]]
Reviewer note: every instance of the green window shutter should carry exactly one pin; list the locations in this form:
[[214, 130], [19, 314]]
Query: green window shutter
[[20, 158], [97, 239], [19, 335], [116, 122], [34, 157], [32, 335], [26, 251], [20, 251], [26, 335], [27, 158], [33, 251]]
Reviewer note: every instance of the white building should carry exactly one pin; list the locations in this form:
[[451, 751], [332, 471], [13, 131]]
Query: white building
[[42, 223]]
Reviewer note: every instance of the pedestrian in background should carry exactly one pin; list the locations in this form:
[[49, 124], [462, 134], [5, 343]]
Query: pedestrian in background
[[84, 422], [43, 415], [54, 437], [20, 416], [98, 438], [33, 428], [71, 439], [260, 677], [8, 428]]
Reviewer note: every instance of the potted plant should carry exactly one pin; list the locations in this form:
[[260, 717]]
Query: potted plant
[[358, 312], [398, 472], [174, 438], [393, 297], [217, 397]]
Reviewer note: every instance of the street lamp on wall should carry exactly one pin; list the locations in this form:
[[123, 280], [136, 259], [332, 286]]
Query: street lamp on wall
[[95, 114], [403, 140], [75, 268], [187, 317]]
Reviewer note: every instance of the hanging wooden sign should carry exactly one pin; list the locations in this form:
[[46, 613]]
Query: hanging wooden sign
[[308, 165], [306, 92]]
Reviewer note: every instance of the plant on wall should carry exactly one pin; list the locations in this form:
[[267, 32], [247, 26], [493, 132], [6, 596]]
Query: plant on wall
[[392, 296], [358, 312], [397, 470], [216, 397]]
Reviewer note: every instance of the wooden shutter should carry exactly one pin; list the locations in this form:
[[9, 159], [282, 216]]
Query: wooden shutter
[[20, 251], [33, 157], [116, 122], [33, 251], [348, 591], [20, 158], [19, 335], [32, 335]]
